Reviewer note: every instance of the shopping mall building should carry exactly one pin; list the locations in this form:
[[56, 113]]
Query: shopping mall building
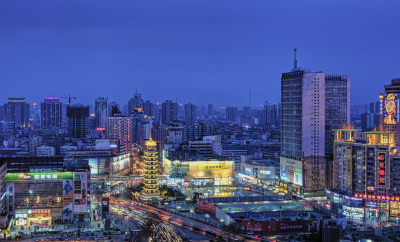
[[199, 173], [42, 192]]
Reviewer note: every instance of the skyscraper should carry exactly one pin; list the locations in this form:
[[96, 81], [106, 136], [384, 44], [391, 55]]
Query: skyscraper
[[100, 110], [190, 114], [302, 162], [169, 112], [77, 120], [51, 112], [337, 106], [210, 110], [16, 110], [312, 106]]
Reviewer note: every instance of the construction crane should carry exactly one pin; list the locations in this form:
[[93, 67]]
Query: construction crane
[[69, 98]]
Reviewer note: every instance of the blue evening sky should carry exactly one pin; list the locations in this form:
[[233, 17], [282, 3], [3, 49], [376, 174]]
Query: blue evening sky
[[199, 51]]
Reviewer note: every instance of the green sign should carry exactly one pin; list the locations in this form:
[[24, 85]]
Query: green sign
[[39, 176]]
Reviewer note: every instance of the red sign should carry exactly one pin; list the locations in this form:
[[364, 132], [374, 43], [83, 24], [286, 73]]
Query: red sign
[[41, 211], [280, 226], [382, 169], [206, 207]]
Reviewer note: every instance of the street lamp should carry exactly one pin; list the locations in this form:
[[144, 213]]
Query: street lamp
[[222, 221], [206, 216]]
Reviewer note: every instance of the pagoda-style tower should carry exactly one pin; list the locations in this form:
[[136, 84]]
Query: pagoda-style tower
[[150, 191]]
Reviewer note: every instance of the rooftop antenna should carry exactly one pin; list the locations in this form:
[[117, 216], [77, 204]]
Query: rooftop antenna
[[295, 59]]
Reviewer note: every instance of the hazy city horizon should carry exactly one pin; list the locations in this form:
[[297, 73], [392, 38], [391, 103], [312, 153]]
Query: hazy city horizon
[[180, 51]]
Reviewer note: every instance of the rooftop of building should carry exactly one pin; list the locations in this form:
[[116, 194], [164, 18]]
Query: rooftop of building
[[264, 206]]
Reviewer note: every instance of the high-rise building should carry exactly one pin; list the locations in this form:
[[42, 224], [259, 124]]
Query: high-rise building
[[367, 121], [135, 102], [210, 110], [100, 110], [271, 113], [312, 105], [302, 159], [190, 114], [138, 120], [372, 107], [1, 113], [337, 107], [365, 163], [197, 131], [231, 114], [246, 117], [119, 127], [151, 171], [78, 116], [148, 108], [16, 110], [51, 112], [169, 112]]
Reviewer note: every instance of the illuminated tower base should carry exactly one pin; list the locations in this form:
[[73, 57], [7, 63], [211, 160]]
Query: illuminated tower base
[[151, 191]]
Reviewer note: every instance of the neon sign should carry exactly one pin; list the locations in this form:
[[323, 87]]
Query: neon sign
[[381, 170], [390, 107]]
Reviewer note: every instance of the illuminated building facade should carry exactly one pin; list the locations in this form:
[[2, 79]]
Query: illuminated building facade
[[389, 108], [43, 199], [119, 128], [302, 161], [313, 104], [200, 173], [151, 170], [366, 169]]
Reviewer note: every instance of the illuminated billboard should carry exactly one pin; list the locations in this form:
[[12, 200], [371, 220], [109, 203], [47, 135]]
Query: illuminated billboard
[[291, 171], [39, 176], [212, 166], [390, 109], [210, 169]]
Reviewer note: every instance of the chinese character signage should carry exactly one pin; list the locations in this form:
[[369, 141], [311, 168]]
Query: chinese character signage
[[217, 166], [39, 176], [381, 168]]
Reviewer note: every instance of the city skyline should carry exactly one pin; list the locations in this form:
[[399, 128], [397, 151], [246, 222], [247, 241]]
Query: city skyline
[[191, 50]]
